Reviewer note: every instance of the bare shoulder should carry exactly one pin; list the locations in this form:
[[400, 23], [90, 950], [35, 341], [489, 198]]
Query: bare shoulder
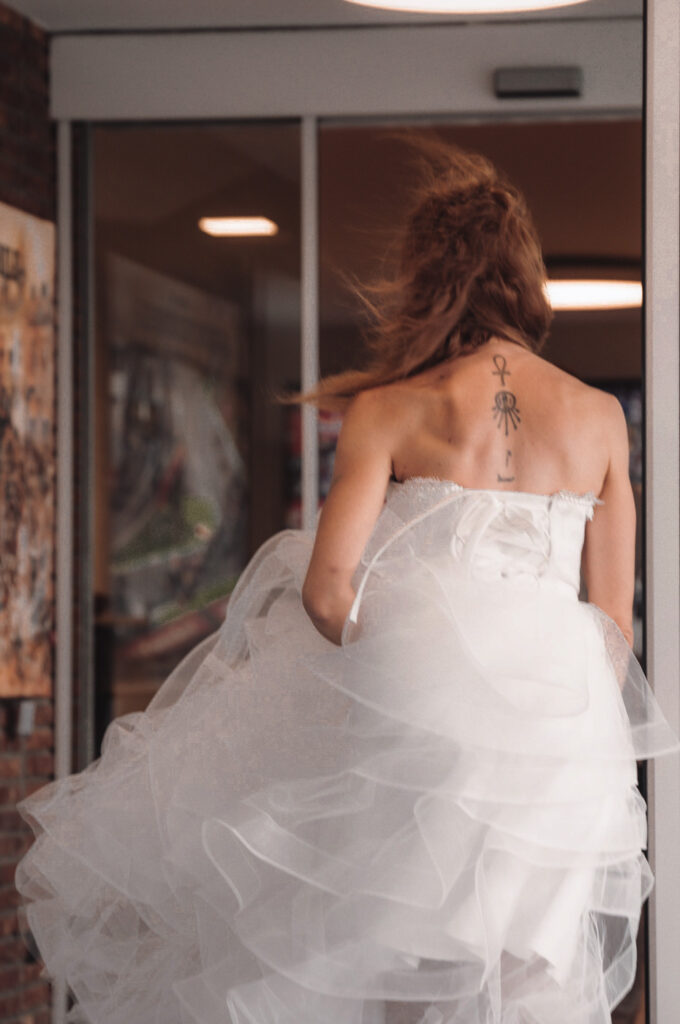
[[605, 412], [605, 431], [584, 422], [368, 436], [600, 409], [381, 411]]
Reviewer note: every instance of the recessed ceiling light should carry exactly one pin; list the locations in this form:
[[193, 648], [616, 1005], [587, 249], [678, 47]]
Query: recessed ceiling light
[[465, 6], [594, 294], [238, 227]]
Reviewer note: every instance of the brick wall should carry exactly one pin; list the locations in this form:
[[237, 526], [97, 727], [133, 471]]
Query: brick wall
[[25, 764], [27, 181], [27, 162]]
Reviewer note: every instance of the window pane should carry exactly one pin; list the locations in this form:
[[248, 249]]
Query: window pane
[[582, 181], [195, 334]]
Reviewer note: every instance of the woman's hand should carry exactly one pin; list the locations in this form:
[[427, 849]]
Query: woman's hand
[[361, 471]]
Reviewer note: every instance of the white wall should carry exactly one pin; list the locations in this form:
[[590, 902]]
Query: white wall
[[444, 70]]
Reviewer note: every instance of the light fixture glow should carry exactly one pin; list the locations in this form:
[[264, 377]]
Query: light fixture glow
[[238, 227], [465, 6], [594, 294]]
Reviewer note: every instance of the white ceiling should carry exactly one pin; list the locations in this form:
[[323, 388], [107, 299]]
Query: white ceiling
[[133, 15]]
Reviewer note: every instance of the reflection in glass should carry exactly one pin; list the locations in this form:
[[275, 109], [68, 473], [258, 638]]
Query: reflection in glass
[[194, 335]]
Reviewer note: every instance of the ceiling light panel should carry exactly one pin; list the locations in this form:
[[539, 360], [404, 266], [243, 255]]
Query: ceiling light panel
[[593, 294], [465, 6], [238, 227]]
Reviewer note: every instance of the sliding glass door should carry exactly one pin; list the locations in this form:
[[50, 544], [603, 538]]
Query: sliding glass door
[[197, 329], [193, 335]]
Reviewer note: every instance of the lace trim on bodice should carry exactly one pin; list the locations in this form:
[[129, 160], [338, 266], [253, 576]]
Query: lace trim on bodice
[[430, 484]]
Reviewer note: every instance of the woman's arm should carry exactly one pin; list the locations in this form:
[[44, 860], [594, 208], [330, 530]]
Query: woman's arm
[[361, 472], [609, 549]]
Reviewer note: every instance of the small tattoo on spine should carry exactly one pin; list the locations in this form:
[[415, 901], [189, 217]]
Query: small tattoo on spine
[[499, 476], [501, 370], [505, 411]]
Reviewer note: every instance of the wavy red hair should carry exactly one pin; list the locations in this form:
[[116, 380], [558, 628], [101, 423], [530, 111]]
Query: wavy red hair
[[469, 267]]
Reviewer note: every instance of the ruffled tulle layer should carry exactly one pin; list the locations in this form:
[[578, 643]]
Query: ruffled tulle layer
[[436, 822]]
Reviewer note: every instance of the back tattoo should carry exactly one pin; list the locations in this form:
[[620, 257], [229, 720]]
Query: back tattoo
[[505, 411]]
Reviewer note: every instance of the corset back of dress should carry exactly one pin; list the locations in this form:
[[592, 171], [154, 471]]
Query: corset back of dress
[[501, 537]]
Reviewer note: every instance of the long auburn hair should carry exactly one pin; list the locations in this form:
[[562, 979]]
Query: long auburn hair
[[469, 267]]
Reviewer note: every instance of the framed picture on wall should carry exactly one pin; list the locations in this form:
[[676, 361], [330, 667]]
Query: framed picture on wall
[[27, 453]]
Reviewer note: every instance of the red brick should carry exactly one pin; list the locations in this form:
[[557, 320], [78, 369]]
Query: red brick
[[10, 767], [15, 1003], [38, 1016], [44, 714], [9, 898], [12, 845], [12, 94], [10, 977], [10, 821], [39, 764], [41, 739], [9, 924], [12, 951], [15, 122], [7, 872], [11, 1005], [9, 795], [36, 995], [31, 972]]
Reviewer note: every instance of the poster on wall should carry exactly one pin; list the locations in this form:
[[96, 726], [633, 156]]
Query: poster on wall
[[27, 453], [178, 481]]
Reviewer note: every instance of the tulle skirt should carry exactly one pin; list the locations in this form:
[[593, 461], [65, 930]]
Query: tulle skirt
[[437, 821]]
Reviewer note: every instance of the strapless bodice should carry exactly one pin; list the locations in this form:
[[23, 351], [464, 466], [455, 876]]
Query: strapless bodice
[[489, 535]]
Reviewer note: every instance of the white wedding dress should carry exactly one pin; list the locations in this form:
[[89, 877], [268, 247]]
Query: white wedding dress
[[437, 821]]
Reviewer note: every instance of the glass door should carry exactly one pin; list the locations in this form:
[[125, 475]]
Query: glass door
[[197, 328], [583, 183]]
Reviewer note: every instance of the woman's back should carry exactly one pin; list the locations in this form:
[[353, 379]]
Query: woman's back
[[500, 418]]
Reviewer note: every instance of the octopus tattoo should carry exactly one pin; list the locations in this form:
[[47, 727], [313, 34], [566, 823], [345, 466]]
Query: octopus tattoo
[[505, 411]]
